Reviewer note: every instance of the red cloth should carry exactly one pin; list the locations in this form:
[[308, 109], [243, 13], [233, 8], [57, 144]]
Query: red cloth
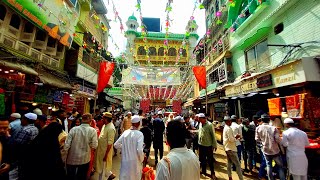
[[148, 173], [313, 145], [200, 74], [106, 70]]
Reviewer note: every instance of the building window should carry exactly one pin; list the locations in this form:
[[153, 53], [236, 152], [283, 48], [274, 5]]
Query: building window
[[51, 42], [28, 27], [141, 51], [41, 35], [152, 51], [15, 21], [172, 52], [258, 57], [161, 51], [3, 12], [184, 52]]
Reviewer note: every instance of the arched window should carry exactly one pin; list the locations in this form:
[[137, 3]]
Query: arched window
[[172, 52], [184, 52], [152, 51], [3, 12], [15, 21], [141, 51], [41, 35], [28, 27], [161, 51]]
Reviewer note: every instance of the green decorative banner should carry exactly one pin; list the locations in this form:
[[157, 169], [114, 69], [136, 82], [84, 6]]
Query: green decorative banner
[[55, 16], [2, 105]]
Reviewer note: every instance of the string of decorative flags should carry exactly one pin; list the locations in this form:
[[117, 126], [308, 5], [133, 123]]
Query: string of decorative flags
[[181, 93], [116, 16]]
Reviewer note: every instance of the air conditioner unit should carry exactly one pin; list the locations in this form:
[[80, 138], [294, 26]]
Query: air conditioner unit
[[35, 54], [20, 46], [9, 41], [46, 59]]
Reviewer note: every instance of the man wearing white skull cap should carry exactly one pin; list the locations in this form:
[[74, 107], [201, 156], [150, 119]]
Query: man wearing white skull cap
[[295, 140], [132, 156]]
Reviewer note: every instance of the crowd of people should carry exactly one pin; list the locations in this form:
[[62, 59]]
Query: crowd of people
[[71, 146]]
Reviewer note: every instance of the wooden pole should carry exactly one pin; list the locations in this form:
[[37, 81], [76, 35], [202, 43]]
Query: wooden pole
[[206, 101], [96, 94]]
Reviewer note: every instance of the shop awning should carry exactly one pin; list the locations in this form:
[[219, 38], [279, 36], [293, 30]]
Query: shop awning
[[18, 67], [255, 37], [49, 79]]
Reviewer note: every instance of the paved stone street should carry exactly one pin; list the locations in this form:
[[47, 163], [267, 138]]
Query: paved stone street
[[220, 167]]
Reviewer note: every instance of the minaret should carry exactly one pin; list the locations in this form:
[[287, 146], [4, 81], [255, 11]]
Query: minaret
[[131, 34], [132, 26], [192, 28]]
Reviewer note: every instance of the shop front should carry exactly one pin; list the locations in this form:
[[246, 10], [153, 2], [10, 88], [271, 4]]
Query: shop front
[[84, 99], [24, 89], [291, 90]]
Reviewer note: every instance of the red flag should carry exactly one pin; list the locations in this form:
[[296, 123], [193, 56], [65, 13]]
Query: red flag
[[106, 70], [200, 74]]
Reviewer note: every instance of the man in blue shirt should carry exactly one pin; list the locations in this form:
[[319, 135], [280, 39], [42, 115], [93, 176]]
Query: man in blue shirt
[[15, 124]]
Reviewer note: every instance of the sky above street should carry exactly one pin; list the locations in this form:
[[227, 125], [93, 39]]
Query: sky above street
[[180, 14]]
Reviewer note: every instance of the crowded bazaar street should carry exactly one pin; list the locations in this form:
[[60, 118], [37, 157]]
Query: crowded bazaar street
[[221, 166], [159, 89]]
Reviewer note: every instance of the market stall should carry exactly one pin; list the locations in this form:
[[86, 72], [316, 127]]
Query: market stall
[[304, 110]]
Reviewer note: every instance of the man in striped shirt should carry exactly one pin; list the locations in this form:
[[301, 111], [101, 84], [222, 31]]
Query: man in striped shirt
[[80, 141]]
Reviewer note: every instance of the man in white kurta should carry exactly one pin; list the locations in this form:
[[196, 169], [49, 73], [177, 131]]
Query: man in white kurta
[[131, 145], [104, 153], [295, 140], [181, 163]]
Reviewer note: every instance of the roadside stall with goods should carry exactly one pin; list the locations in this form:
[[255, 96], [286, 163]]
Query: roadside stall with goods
[[305, 111]]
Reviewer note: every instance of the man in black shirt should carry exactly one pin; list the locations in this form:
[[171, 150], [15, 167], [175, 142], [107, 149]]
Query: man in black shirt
[[158, 129], [147, 133]]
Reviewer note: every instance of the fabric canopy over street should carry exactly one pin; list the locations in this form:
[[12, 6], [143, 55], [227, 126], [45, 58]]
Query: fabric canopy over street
[[49, 79], [18, 67], [151, 76]]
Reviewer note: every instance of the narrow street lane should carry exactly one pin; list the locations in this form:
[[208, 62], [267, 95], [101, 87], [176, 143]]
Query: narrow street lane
[[220, 167]]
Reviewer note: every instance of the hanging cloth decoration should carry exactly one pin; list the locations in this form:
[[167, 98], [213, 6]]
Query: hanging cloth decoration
[[106, 70], [200, 74]]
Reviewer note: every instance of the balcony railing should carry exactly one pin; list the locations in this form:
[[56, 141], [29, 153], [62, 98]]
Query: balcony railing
[[217, 49], [90, 61], [152, 59]]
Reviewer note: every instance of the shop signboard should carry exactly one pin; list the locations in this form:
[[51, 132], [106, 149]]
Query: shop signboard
[[43, 95], [245, 87], [222, 72], [288, 74], [54, 16], [274, 105], [264, 81]]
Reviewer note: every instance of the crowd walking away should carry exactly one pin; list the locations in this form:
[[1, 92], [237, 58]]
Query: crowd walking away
[[72, 146]]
